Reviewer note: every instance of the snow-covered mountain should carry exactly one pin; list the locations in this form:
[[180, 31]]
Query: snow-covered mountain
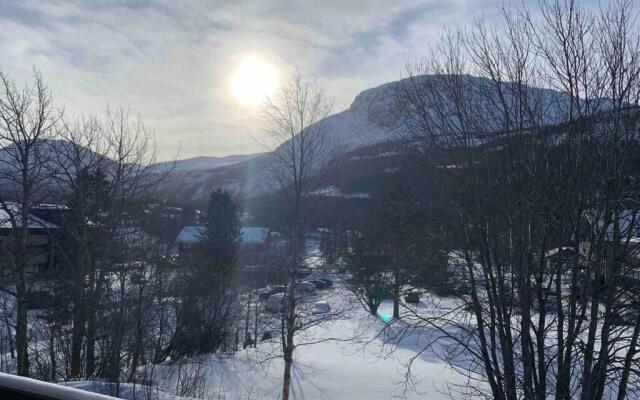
[[372, 118], [362, 135], [204, 163]]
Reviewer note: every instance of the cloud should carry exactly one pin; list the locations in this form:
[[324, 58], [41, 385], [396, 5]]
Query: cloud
[[171, 61]]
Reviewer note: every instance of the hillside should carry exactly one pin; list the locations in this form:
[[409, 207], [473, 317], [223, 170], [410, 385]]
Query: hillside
[[362, 136], [204, 163]]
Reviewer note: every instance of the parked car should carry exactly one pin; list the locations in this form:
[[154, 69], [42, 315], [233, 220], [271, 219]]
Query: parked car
[[321, 307], [264, 295], [274, 303], [320, 284], [305, 287], [412, 298], [328, 281]]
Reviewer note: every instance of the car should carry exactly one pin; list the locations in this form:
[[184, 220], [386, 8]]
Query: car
[[321, 307], [412, 297], [264, 295], [320, 284], [274, 303], [328, 281], [304, 287]]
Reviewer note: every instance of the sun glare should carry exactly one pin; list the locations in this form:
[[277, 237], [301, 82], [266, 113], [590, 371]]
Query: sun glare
[[253, 81]]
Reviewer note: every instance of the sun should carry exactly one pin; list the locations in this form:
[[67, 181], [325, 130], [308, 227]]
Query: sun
[[253, 81]]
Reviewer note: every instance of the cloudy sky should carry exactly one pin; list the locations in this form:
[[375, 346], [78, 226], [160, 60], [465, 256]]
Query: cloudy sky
[[172, 61]]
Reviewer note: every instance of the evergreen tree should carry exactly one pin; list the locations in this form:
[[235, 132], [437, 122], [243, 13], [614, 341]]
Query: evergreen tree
[[222, 233], [209, 292]]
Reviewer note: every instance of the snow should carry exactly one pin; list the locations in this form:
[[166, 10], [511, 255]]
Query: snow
[[203, 163], [332, 191], [128, 391], [190, 234], [356, 363], [254, 235], [249, 235], [33, 221]]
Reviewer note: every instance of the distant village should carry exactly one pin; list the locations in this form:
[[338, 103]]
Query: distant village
[[164, 234]]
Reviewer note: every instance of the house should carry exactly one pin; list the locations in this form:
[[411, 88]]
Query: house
[[40, 256], [188, 239], [255, 242]]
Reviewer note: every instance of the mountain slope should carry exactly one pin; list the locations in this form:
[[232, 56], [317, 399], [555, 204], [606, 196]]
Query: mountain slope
[[373, 118], [204, 163]]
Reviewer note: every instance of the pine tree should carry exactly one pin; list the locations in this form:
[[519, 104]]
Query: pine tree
[[209, 291]]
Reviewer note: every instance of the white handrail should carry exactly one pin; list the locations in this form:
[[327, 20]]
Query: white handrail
[[47, 389]]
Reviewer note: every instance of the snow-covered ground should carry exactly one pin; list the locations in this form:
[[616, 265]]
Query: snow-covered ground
[[354, 364], [351, 358]]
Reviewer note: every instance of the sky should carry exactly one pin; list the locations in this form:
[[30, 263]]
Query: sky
[[171, 62]]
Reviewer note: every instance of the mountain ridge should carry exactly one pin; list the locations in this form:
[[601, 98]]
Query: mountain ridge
[[373, 117], [203, 163]]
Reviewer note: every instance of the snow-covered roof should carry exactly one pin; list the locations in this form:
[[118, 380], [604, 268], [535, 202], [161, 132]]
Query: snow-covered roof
[[47, 206], [33, 221], [557, 250], [134, 236], [191, 234], [249, 235], [254, 235]]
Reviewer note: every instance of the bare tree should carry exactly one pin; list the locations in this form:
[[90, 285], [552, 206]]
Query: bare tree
[[27, 122], [295, 118], [77, 168], [541, 194]]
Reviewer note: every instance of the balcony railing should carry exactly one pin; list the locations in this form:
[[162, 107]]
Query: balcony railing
[[20, 388]]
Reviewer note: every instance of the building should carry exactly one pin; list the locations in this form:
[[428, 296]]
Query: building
[[255, 243], [188, 239], [40, 254]]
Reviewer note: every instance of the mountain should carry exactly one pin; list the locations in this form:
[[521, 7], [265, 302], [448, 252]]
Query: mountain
[[204, 163], [372, 122], [370, 119]]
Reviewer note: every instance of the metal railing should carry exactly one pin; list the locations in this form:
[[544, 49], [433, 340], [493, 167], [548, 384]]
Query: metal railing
[[20, 388]]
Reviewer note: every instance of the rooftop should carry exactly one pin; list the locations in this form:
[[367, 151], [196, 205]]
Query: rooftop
[[249, 235]]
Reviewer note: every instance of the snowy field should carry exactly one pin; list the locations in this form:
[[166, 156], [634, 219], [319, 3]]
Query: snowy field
[[347, 357], [354, 355], [355, 363]]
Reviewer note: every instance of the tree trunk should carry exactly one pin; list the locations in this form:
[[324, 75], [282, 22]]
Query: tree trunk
[[288, 345], [22, 348], [79, 306], [396, 298], [138, 347], [255, 327], [91, 321], [247, 338], [77, 333], [52, 353], [286, 381]]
